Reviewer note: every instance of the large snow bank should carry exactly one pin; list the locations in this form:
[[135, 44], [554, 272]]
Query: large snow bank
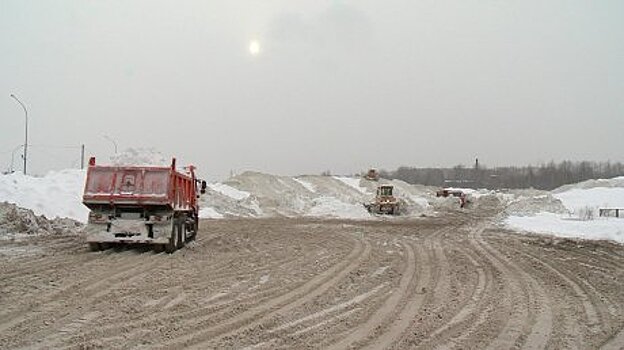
[[613, 182], [550, 223], [57, 194], [579, 198], [581, 201]]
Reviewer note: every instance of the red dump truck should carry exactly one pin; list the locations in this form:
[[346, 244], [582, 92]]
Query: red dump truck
[[141, 204]]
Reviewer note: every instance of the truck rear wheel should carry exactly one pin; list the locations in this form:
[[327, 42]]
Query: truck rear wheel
[[181, 233], [173, 241]]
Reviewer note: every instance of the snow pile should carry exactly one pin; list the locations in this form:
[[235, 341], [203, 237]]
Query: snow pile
[[613, 182], [577, 215], [15, 220], [229, 191], [579, 199], [57, 194], [600, 228], [209, 213], [254, 194], [140, 157], [308, 186], [352, 182], [522, 205], [332, 207]]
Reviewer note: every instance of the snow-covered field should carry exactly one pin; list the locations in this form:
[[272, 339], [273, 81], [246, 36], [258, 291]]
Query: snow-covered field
[[581, 220]]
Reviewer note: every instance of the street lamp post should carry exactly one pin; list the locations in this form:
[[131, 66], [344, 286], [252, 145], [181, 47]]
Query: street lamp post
[[25, 130], [111, 140], [13, 156]]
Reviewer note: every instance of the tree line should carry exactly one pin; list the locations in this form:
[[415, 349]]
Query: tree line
[[546, 176]]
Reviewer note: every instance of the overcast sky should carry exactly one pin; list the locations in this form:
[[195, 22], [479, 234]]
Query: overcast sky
[[335, 85]]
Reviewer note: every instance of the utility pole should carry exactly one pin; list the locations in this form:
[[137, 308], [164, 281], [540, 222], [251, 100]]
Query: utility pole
[[25, 130], [82, 156]]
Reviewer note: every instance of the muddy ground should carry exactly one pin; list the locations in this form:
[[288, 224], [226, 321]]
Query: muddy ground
[[454, 282]]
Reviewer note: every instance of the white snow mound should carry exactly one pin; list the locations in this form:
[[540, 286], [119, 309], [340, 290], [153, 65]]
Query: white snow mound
[[580, 218], [57, 194], [334, 208], [140, 157]]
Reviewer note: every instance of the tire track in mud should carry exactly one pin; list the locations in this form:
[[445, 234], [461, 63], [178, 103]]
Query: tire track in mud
[[283, 303], [529, 330], [90, 296], [398, 310], [89, 291], [218, 308], [414, 302], [484, 287], [213, 305], [593, 320], [472, 312]]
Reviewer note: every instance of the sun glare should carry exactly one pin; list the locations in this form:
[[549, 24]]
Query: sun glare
[[254, 47]]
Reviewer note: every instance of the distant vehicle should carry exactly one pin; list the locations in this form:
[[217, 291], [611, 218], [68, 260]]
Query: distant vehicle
[[372, 175], [385, 202], [445, 192], [141, 204]]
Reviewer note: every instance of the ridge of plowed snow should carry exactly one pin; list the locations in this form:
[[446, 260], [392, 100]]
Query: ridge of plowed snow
[[352, 182], [306, 184], [229, 191]]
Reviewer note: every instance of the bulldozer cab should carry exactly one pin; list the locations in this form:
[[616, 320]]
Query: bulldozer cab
[[384, 191]]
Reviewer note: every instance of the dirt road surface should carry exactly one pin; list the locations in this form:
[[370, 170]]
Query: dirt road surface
[[454, 282]]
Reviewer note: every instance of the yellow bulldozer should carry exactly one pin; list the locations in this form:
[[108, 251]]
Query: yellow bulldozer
[[372, 175], [385, 202]]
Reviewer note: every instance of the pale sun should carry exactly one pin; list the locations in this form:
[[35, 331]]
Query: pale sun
[[254, 47]]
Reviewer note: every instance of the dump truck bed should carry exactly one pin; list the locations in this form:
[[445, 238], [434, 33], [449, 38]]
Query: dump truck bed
[[139, 185]]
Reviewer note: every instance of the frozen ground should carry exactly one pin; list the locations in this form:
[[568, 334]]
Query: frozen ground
[[447, 282]]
